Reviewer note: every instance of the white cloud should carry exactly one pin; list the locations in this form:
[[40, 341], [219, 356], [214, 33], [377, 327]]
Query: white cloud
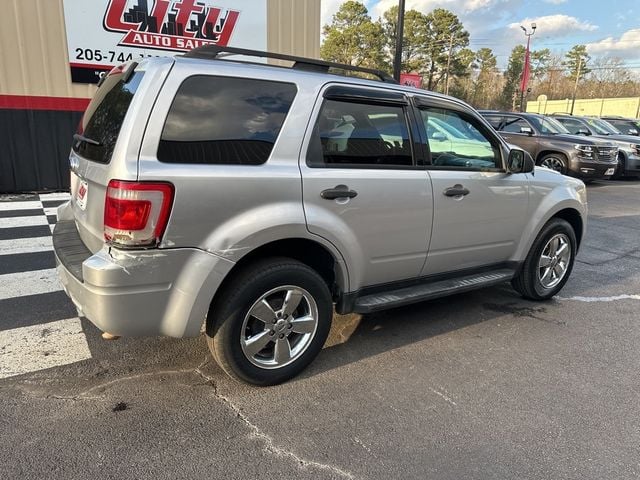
[[327, 9], [555, 25], [425, 6], [555, 2], [627, 46]]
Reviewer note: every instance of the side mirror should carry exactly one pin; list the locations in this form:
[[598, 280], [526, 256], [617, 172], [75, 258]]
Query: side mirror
[[438, 136], [519, 161], [526, 130], [583, 131]]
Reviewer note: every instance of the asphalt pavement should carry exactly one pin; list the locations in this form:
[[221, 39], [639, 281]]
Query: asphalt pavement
[[483, 385]]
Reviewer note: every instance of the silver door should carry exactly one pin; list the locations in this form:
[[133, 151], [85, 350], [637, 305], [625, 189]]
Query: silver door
[[362, 190], [479, 209]]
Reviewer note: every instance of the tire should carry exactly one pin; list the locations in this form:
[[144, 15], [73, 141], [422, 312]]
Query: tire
[[532, 282], [619, 173], [254, 338], [555, 161]]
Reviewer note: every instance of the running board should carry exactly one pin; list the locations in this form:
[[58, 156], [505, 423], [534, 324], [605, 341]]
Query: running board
[[428, 291]]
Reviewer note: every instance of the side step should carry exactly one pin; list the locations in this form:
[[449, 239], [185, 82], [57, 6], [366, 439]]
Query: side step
[[428, 291]]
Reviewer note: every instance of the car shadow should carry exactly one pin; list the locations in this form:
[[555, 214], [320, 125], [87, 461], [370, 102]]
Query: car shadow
[[355, 337]]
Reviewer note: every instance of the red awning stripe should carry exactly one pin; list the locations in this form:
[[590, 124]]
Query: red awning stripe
[[31, 102]]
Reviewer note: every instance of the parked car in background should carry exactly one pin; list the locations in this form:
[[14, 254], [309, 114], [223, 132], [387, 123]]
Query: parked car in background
[[252, 198], [628, 145], [552, 146], [627, 126]]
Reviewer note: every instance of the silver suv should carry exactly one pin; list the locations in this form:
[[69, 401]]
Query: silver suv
[[249, 199]]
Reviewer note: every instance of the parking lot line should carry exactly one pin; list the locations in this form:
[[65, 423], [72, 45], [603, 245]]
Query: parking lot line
[[28, 205], [25, 245], [37, 347], [10, 222], [29, 283]]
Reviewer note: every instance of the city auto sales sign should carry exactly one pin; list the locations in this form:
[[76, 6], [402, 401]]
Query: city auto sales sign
[[105, 33]]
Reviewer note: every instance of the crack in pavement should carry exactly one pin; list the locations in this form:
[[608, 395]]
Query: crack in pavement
[[269, 444], [255, 431]]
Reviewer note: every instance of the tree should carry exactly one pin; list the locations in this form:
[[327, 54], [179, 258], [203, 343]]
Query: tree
[[414, 37], [576, 60], [512, 77], [484, 87], [444, 41], [353, 38]]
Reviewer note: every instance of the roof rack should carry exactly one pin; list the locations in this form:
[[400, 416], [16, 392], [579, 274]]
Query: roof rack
[[300, 63]]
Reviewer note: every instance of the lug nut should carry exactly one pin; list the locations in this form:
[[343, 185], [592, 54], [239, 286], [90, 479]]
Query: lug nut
[[282, 335], [272, 332], [289, 326]]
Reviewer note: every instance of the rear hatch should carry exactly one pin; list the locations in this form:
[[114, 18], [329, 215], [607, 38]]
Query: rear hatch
[[102, 150]]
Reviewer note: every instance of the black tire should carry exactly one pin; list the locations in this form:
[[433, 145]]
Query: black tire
[[527, 282], [556, 161], [619, 173], [231, 310]]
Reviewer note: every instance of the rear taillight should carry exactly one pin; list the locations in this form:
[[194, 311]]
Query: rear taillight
[[136, 213]]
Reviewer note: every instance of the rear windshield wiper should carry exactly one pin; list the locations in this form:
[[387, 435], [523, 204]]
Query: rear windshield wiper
[[81, 138]]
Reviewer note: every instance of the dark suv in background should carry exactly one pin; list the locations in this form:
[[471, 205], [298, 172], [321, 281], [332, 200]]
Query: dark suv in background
[[627, 126], [628, 145], [552, 146]]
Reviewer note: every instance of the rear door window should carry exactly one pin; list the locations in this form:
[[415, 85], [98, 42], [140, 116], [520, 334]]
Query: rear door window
[[224, 120], [105, 114]]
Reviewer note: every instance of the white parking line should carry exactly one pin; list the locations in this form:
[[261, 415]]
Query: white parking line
[[29, 283], [36, 347], [12, 222], [30, 205], [600, 299], [25, 245], [51, 211], [54, 196]]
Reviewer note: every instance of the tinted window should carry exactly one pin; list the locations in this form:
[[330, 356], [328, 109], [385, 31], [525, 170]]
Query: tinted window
[[514, 125], [360, 134], [104, 116], [222, 120], [456, 140], [494, 121], [572, 125]]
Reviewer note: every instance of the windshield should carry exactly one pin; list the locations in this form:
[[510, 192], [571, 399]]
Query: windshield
[[610, 129], [548, 125], [602, 127]]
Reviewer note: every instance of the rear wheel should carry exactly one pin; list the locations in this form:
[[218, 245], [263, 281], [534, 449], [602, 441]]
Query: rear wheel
[[549, 262], [270, 322], [555, 161]]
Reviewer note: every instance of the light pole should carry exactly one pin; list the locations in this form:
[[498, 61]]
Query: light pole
[[397, 61], [525, 70]]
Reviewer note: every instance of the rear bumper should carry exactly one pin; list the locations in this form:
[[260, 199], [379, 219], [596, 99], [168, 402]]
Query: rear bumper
[[138, 292]]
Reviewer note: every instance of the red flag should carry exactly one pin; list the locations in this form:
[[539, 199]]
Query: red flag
[[526, 71]]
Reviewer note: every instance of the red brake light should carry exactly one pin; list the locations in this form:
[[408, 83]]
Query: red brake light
[[136, 213]]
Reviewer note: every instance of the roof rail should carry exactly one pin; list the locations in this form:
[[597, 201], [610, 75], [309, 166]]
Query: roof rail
[[300, 63]]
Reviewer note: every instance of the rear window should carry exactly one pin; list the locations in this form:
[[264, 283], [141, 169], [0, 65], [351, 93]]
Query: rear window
[[104, 116], [223, 120]]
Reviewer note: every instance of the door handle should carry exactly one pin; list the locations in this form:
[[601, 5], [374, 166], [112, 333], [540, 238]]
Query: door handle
[[456, 191], [339, 191]]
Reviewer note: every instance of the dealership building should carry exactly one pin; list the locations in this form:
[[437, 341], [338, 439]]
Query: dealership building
[[53, 52]]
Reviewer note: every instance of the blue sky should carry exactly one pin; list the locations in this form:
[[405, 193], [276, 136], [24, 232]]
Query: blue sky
[[607, 27]]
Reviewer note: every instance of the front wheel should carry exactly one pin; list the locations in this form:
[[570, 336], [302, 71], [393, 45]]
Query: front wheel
[[270, 322], [555, 161], [549, 262], [619, 173]]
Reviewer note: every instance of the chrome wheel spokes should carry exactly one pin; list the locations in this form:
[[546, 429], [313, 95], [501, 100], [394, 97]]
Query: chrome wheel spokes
[[279, 327], [554, 260]]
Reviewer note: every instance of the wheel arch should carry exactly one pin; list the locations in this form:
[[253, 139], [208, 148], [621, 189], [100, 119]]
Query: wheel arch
[[309, 252], [544, 153], [573, 217]]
